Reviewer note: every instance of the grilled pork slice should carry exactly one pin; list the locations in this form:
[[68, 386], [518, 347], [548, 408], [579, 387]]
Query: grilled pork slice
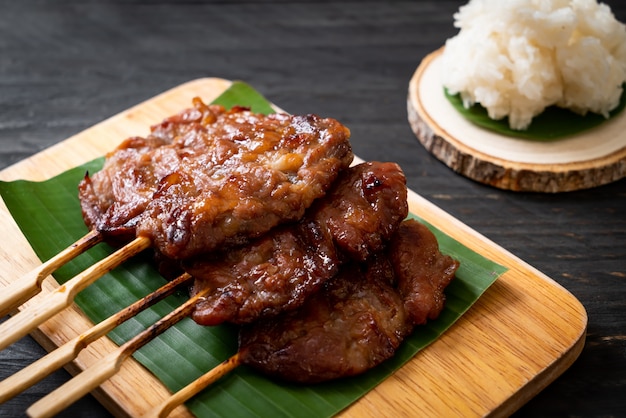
[[208, 177], [279, 270], [359, 318]]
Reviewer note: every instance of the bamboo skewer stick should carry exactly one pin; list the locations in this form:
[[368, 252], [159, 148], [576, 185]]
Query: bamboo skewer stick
[[89, 379], [33, 316], [29, 285], [30, 375], [168, 405]]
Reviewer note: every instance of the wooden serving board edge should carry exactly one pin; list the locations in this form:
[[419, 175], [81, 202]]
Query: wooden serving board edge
[[489, 169], [523, 332]]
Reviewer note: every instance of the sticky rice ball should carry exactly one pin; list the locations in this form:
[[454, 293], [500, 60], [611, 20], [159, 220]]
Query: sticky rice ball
[[517, 57]]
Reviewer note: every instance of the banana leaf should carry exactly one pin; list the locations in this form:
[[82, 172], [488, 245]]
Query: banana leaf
[[552, 124], [48, 213]]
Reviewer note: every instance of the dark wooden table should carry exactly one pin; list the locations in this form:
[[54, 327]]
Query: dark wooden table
[[66, 65]]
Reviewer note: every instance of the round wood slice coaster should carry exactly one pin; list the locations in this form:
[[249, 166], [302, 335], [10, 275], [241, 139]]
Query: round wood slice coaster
[[592, 158]]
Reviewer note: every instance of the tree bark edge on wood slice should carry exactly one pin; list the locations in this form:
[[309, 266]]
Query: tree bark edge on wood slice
[[502, 173]]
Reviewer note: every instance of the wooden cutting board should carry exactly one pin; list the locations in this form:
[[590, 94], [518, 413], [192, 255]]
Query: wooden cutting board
[[523, 332]]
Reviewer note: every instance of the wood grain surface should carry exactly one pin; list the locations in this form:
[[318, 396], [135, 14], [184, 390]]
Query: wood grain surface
[[524, 332], [67, 65]]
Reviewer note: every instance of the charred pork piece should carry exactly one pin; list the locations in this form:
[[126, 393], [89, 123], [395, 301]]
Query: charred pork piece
[[279, 270], [358, 319], [421, 270], [209, 177], [113, 199]]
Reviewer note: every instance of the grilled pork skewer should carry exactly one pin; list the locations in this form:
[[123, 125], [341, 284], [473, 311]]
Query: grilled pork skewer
[[357, 321], [29, 285], [210, 177], [366, 204], [355, 219], [394, 292], [202, 179], [30, 375]]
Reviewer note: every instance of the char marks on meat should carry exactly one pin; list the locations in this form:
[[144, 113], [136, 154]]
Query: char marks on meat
[[358, 319], [312, 257], [208, 177], [113, 199], [365, 208], [422, 275], [353, 324], [279, 270]]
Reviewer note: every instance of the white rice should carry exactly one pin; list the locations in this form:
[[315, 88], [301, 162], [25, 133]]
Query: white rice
[[517, 57]]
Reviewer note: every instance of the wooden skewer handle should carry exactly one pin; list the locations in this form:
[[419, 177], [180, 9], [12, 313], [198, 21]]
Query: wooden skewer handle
[[89, 379], [29, 285], [195, 387], [78, 386], [21, 290], [25, 378], [30, 375], [34, 315]]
